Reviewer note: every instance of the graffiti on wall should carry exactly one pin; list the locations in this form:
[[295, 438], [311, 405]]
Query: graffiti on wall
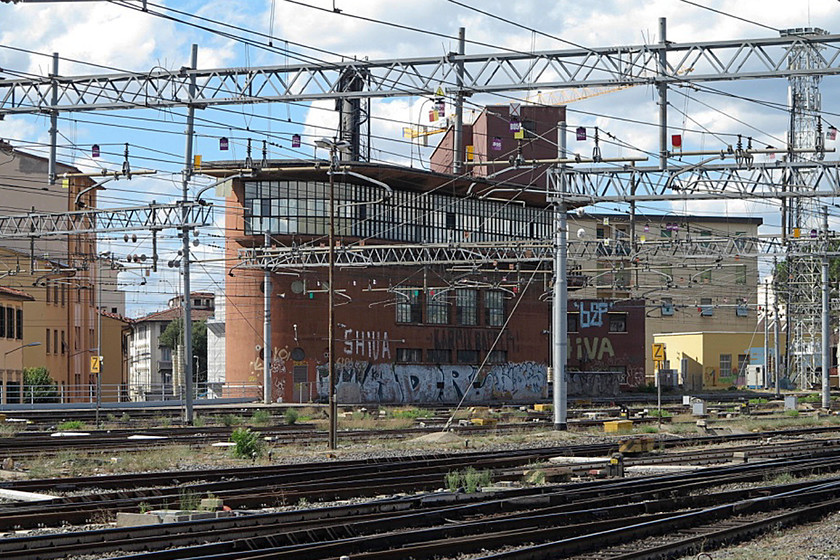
[[592, 313], [365, 382], [589, 348], [373, 345], [279, 357], [362, 381], [594, 384], [634, 377]]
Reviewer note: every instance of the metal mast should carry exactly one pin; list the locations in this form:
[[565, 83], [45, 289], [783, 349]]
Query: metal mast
[[803, 295]]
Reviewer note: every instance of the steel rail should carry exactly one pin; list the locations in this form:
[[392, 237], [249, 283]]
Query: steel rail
[[470, 514]]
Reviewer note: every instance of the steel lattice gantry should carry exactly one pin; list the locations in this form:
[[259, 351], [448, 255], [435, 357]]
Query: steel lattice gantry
[[478, 254], [482, 73], [150, 217], [813, 179]]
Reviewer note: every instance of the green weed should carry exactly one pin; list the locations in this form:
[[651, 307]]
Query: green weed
[[291, 416], [248, 444]]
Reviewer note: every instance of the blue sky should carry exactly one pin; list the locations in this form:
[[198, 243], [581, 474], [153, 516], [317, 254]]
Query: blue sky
[[115, 36]]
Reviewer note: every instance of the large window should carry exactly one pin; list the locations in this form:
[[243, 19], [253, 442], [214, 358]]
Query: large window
[[10, 322], [494, 308], [497, 356], [2, 322], [409, 355], [725, 364], [618, 322], [439, 356], [468, 357], [408, 306], [741, 274], [466, 306], [572, 322], [437, 308], [302, 207]]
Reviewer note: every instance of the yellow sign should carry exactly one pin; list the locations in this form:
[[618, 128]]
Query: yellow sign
[[95, 363], [439, 92], [659, 352]]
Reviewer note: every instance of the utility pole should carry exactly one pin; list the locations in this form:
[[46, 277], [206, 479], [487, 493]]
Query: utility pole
[[267, 328], [766, 380], [333, 431], [185, 233], [53, 120], [458, 138], [559, 299], [99, 338], [776, 358], [826, 332], [663, 97]]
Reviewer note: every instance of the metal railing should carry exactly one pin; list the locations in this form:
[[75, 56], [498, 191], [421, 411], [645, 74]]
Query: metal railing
[[112, 393]]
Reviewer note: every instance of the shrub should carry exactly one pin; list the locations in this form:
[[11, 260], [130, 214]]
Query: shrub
[[189, 500], [412, 413], [231, 420], [38, 386], [70, 425], [248, 444], [261, 417], [453, 480], [470, 479], [291, 415]]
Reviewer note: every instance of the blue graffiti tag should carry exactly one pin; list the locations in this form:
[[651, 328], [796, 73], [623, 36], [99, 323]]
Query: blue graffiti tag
[[593, 316]]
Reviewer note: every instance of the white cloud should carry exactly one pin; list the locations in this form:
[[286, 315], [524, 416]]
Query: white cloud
[[106, 34]]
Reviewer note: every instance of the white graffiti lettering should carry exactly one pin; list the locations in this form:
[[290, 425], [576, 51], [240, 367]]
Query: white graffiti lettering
[[373, 345]]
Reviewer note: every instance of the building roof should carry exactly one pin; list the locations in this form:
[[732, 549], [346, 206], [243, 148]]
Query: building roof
[[16, 294], [398, 177], [116, 316], [174, 313], [7, 147]]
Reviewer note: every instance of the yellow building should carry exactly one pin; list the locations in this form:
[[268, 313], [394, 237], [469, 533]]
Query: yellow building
[[12, 342], [58, 271], [711, 360], [116, 331]]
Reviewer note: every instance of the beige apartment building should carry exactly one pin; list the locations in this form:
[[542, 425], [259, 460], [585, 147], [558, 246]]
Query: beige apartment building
[[694, 273]]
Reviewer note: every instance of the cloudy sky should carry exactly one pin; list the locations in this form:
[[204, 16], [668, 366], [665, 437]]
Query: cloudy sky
[[100, 37]]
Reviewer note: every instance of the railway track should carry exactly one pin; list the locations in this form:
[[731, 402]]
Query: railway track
[[147, 480], [581, 520], [30, 444]]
